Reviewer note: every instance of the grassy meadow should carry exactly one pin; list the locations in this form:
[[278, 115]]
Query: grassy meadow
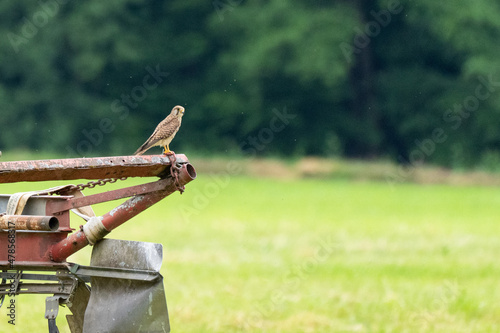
[[291, 254]]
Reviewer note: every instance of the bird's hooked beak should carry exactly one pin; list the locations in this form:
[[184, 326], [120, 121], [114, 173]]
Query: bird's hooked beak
[[178, 111]]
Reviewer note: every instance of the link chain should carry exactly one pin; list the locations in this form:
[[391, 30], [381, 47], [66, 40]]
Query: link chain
[[174, 172], [92, 184]]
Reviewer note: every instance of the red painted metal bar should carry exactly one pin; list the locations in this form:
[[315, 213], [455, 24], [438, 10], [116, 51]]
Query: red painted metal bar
[[87, 168], [76, 241], [71, 203]]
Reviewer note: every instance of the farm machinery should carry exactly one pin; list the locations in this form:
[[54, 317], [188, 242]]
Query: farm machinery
[[121, 290]]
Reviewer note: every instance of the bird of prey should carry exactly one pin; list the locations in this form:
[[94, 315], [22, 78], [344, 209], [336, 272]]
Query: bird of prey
[[164, 132]]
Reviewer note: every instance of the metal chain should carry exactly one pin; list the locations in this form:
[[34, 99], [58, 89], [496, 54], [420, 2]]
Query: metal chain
[[92, 184], [174, 172]]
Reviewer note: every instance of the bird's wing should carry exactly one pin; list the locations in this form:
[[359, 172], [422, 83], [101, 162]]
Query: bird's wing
[[169, 128]]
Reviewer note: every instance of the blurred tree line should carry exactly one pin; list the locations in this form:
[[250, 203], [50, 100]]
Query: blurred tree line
[[413, 81]]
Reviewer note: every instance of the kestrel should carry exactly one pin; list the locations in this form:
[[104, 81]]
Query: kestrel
[[164, 132]]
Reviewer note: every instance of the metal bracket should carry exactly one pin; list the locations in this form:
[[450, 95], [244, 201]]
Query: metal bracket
[[11, 287], [86, 272], [52, 307], [66, 283], [51, 311], [17, 281]]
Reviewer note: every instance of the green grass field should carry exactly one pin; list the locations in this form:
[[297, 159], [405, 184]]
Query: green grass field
[[243, 254]]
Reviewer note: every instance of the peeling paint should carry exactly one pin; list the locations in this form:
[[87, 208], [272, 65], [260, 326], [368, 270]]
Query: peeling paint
[[86, 168]]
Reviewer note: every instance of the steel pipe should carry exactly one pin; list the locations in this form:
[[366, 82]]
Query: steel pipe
[[29, 222]]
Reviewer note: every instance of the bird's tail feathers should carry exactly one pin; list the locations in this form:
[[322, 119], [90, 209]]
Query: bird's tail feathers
[[139, 152], [142, 149]]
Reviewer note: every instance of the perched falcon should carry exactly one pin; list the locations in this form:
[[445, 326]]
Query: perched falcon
[[164, 132]]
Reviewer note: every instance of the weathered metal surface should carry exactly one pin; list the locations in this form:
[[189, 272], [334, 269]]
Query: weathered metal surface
[[78, 304], [29, 222], [40, 205], [31, 246], [29, 276], [66, 247], [63, 283], [121, 305], [139, 203], [35, 266], [107, 196], [86, 168], [122, 213], [115, 253], [86, 272], [127, 288], [52, 307]]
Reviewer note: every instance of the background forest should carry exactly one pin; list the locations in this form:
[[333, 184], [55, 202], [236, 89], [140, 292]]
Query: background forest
[[409, 81]]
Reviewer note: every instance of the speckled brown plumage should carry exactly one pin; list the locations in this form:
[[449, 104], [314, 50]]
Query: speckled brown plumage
[[164, 132]]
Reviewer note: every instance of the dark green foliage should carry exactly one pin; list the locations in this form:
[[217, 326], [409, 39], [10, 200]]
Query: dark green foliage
[[362, 78]]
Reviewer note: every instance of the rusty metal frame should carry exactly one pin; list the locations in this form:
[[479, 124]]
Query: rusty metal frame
[[88, 168], [77, 202], [63, 283], [151, 194], [174, 172], [69, 283]]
